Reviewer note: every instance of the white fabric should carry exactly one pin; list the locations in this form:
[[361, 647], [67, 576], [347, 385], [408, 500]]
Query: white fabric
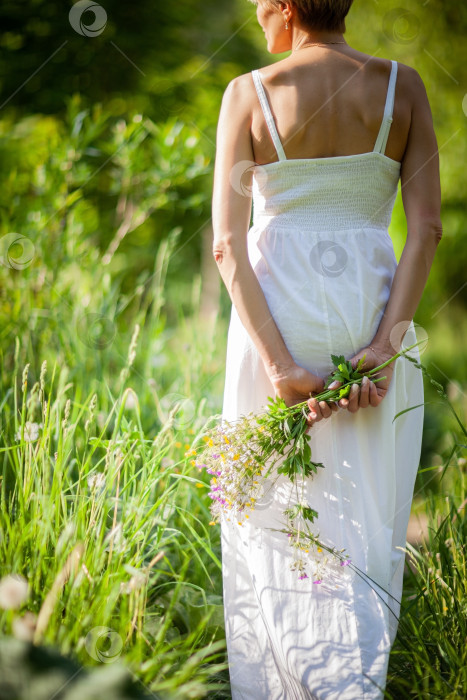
[[382, 139], [320, 249], [267, 114]]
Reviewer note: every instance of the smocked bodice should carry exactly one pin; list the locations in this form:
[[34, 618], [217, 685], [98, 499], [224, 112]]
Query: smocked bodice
[[345, 192]]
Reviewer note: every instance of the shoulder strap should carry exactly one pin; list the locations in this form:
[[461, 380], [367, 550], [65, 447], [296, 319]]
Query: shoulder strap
[[267, 115], [381, 141]]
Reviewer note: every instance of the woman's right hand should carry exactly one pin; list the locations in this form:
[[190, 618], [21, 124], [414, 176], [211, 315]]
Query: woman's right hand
[[295, 384]]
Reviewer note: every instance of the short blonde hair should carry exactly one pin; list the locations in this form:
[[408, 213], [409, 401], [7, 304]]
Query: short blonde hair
[[318, 14]]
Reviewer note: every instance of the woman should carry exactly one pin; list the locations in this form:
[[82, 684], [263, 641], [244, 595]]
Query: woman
[[324, 135]]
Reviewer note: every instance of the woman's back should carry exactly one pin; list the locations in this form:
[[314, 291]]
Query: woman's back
[[329, 102]]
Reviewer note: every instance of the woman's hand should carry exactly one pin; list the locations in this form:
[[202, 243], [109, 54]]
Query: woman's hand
[[368, 393], [295, 384]]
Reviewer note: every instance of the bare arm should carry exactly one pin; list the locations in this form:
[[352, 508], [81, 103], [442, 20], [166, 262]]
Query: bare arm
[[231, 209], [421, 197]]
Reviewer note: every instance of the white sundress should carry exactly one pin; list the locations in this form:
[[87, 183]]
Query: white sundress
[[320, 248]]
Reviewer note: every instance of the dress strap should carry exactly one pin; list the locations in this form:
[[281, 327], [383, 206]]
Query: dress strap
[[381, 141], [263, 100]]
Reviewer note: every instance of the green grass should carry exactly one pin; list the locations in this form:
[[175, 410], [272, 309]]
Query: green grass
[[110, 530], [429, 658]]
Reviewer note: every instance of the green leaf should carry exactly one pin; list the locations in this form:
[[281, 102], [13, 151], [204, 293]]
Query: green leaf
[[361, 362], [309, 514], [337, 360], [406, 410]]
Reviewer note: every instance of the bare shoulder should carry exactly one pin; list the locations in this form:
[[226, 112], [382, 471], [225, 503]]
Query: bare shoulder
[[412, 88], [237, 100], [239, 90], [410, 81], [410, 93]]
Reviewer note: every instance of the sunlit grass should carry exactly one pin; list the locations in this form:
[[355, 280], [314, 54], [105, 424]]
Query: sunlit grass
[[429, 658], [109, 526]]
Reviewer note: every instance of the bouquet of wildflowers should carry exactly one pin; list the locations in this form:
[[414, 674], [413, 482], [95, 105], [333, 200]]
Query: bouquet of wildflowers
[[241, 455]]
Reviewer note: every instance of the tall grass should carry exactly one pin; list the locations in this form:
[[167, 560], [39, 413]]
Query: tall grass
[[112, 534], [429, 657]]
